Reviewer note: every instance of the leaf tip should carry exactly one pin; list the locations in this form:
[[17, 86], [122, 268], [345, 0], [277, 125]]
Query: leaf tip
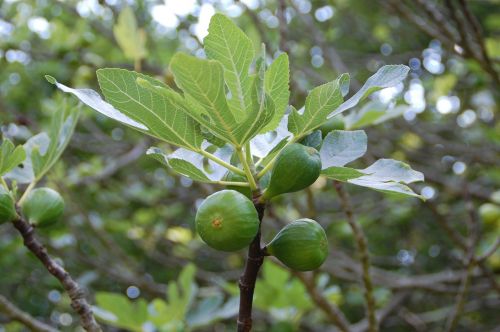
[[50, 79]]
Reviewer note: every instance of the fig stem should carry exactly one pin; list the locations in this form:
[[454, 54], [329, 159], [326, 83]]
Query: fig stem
[[246, 168], [362, 248], [248, 153], [271, 163], [247, 280], [26, 192], [221, 162]]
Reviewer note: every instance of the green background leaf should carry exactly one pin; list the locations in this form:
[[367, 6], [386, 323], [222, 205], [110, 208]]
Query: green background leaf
[[131, 39]]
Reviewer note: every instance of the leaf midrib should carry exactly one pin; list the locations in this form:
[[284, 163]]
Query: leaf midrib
[[241, 96], [214, 107], [313, 117], [150, 111]]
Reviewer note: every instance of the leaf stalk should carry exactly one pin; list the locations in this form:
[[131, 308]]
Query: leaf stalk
[[246, 168], [221, 162]]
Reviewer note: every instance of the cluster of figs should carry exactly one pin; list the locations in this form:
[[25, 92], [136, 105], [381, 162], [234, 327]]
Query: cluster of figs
[[228, 220], [41, 208]]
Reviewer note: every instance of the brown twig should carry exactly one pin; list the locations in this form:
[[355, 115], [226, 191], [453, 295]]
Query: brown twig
[[362, 247], [434, 13], [14, 313], [453, 32], [461, 297], [76, 294], [384, 312], [472, 306], [247, 280], [488, 252], [473, 230], [116, 164], [333, 313], [424, 25], [412, 319], [487, 64]]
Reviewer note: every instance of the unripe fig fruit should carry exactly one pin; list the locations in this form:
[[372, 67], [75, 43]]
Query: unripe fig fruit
[[239, 178], [296, 167], [490, 213], [301, 245], [335, 123], [227, 220], [7, 207], [43, 207]]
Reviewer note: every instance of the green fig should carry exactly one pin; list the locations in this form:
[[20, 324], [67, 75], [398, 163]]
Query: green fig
[[43, 207], [301, 245], [239, 178], [490, 214], [296, 167], [227, 220], [7, 207], [335, 123]]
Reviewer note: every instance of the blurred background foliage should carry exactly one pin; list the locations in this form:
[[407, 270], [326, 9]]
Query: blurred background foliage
[[128, 234]]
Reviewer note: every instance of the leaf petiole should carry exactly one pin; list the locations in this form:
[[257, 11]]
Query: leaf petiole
[[26, 192], [271, 162], [221, 162], [246, 168], [231, 183], [248, 153]]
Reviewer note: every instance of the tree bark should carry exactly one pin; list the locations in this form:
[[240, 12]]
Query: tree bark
[[76, 294]]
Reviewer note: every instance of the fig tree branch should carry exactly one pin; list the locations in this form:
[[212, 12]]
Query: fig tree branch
[[384, 312], [76, 294], [246, 168], [14, 313], [362, 247], [247, 280], [455, 30], [334, 314], [116, 164], [473, 230]]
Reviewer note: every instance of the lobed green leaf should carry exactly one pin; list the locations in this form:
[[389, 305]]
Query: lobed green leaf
[[277, 79], [158, 113], [227, 44], [341, 147], [202, 82], [385, 77], [10, 156], [319, 103]]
